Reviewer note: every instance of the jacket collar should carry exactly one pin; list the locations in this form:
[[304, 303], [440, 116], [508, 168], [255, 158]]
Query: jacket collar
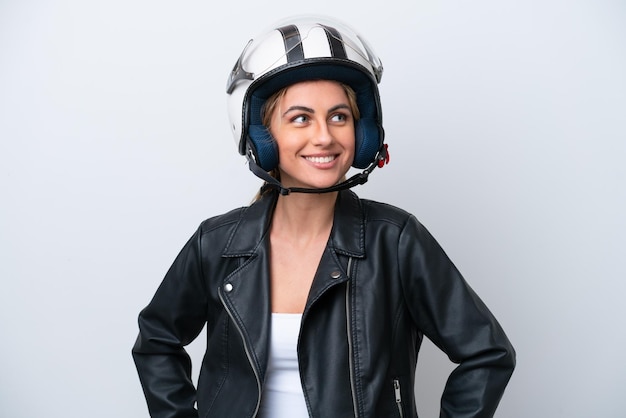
[[347, 236]]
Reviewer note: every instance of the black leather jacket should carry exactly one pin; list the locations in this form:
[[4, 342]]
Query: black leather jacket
[[382, 283]]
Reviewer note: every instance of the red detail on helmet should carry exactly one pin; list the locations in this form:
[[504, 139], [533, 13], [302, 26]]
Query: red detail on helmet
[[384, 158]]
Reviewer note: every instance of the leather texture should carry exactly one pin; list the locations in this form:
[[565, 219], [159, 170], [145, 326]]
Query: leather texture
[[383, 283]]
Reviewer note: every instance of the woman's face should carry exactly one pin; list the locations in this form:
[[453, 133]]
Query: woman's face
[[314, 130]]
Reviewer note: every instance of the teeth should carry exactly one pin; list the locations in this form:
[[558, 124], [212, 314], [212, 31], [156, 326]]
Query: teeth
[[326, 159]]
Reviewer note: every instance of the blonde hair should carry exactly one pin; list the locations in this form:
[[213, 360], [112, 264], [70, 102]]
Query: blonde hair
[[270, 106]]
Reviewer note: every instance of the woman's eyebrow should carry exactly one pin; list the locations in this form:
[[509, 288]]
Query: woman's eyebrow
[[339, 106], [299, 108], [310, 110]]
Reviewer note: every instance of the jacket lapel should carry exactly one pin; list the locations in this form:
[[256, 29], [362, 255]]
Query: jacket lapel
[[348, 234], [346, 239], [246, 291]]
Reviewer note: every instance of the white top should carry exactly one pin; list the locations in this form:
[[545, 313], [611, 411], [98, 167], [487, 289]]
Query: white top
[[282, 395]]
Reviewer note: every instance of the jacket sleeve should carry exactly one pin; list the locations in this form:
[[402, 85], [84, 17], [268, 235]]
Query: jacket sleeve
[[173, 318], [454, 318]]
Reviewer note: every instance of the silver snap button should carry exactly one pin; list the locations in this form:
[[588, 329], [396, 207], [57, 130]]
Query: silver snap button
[[228, 287], [335, 274]]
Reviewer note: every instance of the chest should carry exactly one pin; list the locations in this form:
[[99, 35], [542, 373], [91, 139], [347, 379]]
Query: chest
[[292, 270]]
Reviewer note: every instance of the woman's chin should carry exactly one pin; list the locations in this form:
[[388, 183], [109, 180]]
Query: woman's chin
[[318, 183]]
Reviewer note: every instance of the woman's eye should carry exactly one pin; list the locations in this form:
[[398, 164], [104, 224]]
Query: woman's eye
[[339, 117], [300, 119]]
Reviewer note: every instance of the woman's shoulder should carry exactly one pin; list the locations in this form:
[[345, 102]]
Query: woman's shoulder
[[385, 215], [383, 211], [256, 213], [223, 220]]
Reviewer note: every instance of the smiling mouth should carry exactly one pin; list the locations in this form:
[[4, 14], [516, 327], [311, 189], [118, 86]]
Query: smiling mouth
[[321, 160]]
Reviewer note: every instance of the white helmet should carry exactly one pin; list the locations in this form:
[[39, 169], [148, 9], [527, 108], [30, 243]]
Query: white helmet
[[298, 49]]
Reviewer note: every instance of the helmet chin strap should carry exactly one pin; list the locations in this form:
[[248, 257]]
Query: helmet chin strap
[[381, 159]]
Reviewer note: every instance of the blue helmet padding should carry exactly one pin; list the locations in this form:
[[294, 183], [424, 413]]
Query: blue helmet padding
[[367, 142], [265, 149], [368, 129]]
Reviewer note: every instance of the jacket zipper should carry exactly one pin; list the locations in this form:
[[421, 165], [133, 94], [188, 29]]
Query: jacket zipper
[[396, 390], [248, 355], [350, 346]]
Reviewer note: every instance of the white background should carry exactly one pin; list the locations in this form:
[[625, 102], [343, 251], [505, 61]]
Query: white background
[[506, 127]]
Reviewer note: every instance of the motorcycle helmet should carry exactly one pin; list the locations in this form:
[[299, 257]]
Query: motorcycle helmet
[[297, 49]]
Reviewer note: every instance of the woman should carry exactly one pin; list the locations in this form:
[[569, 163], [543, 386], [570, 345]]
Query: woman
[[315, 301]]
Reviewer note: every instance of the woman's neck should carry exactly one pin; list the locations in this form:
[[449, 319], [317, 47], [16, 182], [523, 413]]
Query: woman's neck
[[304, 216]]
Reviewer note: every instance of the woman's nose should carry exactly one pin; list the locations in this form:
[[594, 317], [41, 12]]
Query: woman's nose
[[322, 135]]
